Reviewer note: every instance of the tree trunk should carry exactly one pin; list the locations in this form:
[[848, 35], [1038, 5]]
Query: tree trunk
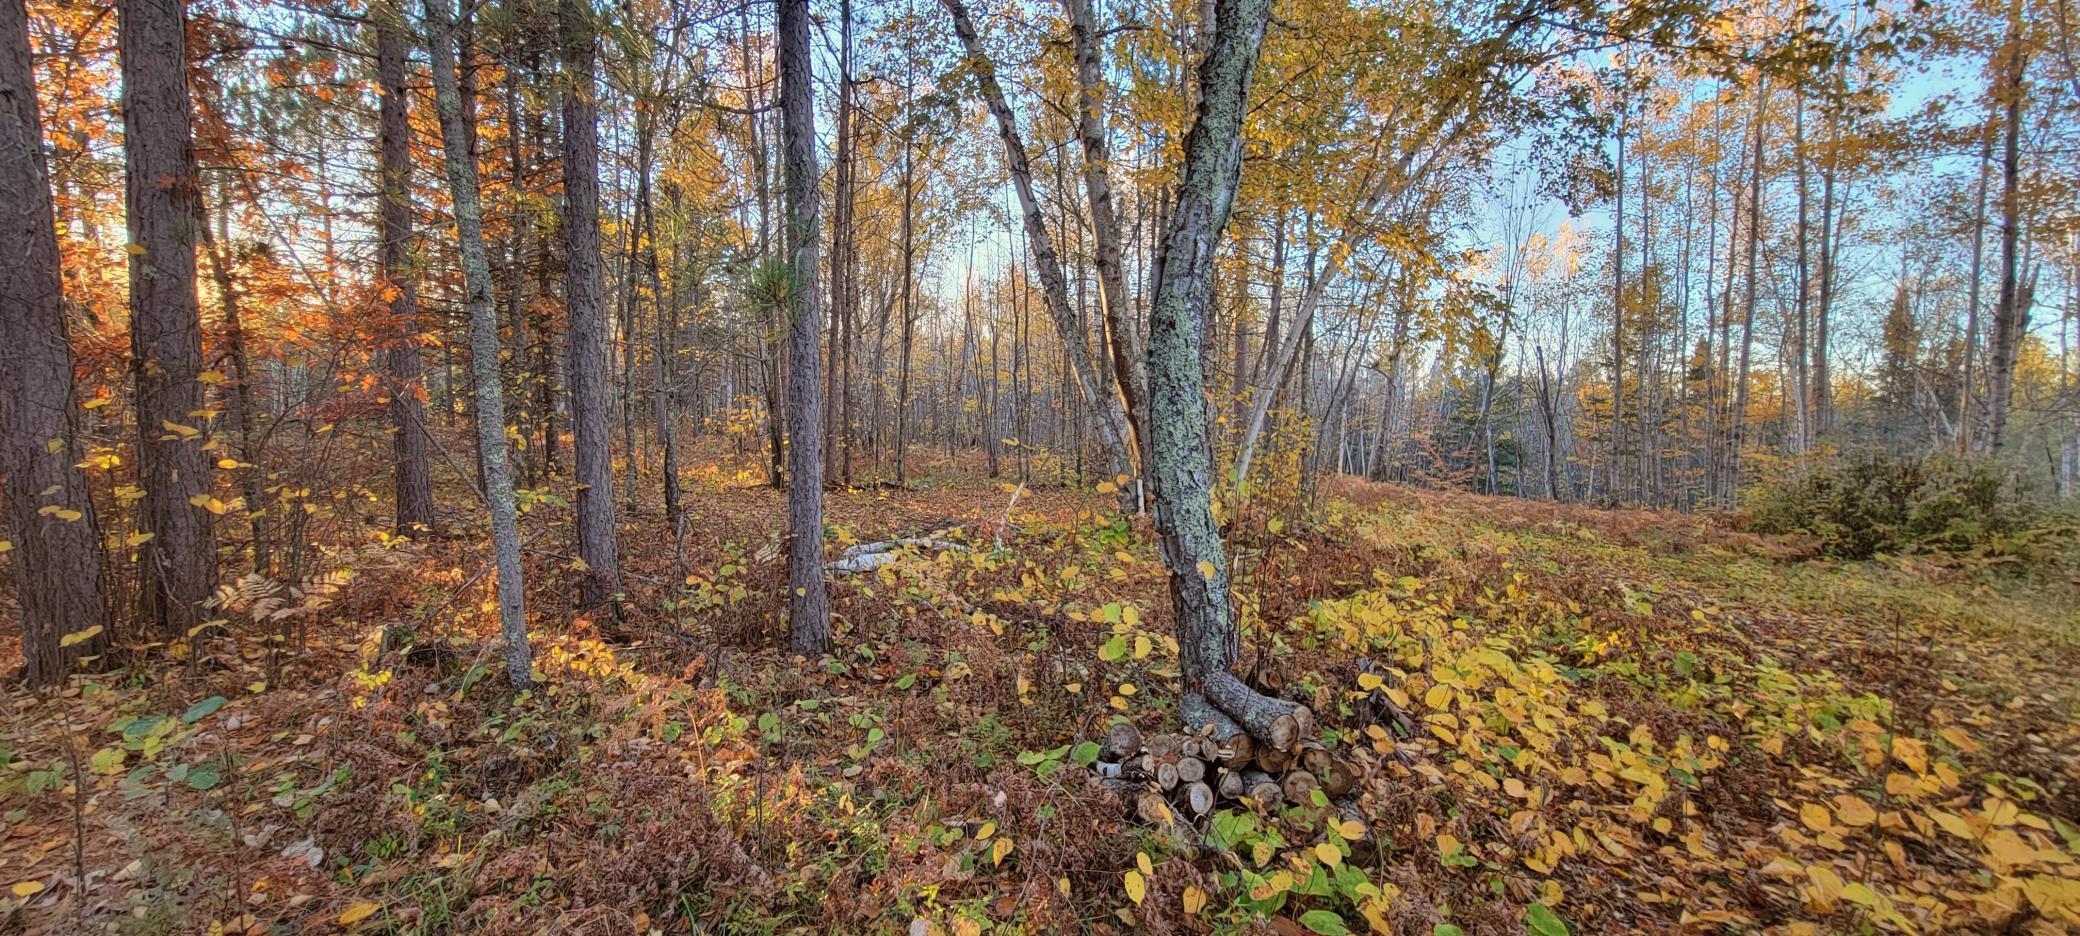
[[1967, 395], [483, 340], [592, 438], [1739, 416], [844, 256], [1184, 478], [2011, 309], [1618, 328], [407, 412], [1122, 338], [808, 609], [50, 517], [1113, 427], [178, 566]]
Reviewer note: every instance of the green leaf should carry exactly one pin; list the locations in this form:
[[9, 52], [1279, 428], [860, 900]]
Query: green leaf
[[1324, 922], [204, 777], [906, 682], [1114, 649], [1446, 929], [202, 709], [108, 760], [1543, 921], [141, 728], [1085, 754]]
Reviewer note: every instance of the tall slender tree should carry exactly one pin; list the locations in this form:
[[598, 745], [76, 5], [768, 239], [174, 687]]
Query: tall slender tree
[[809, 616], [414, 481], [592, 425], [2011, 307], [457, 154], [49, 518], [178, 565]]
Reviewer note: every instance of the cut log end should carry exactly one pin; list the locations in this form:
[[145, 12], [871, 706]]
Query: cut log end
[[1122, 741], [1297, 785]]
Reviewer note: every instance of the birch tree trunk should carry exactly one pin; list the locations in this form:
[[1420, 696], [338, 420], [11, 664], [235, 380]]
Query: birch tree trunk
[[2011, 309], [1130, 372], [1113, 427]]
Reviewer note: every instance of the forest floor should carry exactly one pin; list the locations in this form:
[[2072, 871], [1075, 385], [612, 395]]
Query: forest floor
[[1628, 722]]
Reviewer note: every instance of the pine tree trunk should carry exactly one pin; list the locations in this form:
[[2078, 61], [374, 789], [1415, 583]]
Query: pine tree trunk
[[592, 437], [484, 344], [808, 609], [50, 517], [179, 564], [407, 414]]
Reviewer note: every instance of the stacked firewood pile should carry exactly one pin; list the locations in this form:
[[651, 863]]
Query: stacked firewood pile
[[1188, 775], [1179, 778]]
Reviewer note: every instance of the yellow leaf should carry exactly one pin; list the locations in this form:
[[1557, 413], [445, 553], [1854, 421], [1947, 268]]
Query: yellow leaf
[[988, 829], [2008, 848], [999, 850], [1130, 615], [1194, 900], [1514, 787], [1826, 883], [1959, 740], [1351, 830], [1953, 824], [1142, 646], [1127, 689], [1854, 810], [1328, 854], [135, 250], [27, 888], [1137, 887], [79, 636], [1107, 487], [1370, 681], [1141, 861], [1447, 844], [1439, 697], [1207, 571], [357, 911], [138, 539], [1912, 753], [1815, 817]]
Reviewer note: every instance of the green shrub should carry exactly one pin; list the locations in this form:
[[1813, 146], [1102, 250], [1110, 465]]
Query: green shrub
[[1860, 506]]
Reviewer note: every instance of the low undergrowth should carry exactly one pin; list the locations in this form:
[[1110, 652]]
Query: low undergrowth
[[1621, 722]]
